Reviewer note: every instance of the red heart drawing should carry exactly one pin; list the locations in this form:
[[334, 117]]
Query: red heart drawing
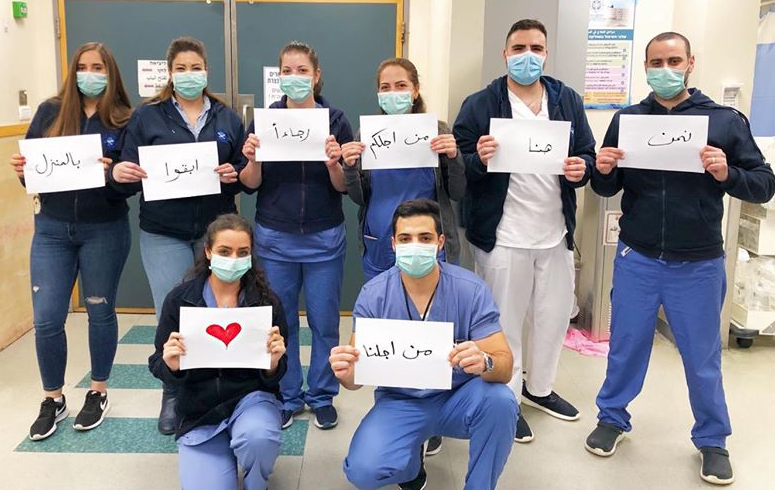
[[225, 335]]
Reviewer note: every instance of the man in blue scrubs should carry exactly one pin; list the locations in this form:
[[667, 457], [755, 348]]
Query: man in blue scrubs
[[671, 253], [387, 448]]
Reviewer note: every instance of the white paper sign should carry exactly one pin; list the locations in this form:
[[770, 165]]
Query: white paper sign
[[152, 77], [529, 147], [272, 92], [63, 163], [399, 141], [225, 337], [183, 170], [403, 353], [663, 142], [289, 135]]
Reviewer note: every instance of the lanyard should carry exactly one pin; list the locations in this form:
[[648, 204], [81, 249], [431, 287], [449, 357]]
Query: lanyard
[[427, 307]]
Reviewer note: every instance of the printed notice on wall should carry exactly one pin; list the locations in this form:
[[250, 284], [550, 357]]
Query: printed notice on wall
[[152, 76], [609, 54], [272, 91]]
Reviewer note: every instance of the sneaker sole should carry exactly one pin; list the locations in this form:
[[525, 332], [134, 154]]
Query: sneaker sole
[[714, 479], [604, 454], [325, 426], [102, 418], [558, 415], [524, 440], [59, 418], [433, 452]]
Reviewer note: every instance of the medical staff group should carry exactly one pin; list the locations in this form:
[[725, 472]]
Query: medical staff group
[[197, 252]]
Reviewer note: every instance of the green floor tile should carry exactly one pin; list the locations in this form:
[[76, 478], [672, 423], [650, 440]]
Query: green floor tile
[[305, 336], [127, 377], [137, 435], [139, 334]]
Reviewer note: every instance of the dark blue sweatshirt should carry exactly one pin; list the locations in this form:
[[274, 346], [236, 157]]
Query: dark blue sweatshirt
[[677, 215], [162, 124], [98, 205], [486, 193], [298, 197]]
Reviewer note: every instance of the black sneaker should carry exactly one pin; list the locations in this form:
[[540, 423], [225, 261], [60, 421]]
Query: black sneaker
[[433, 446], [553, 404], [421, 480], [325, 417], [716, 467], [524, 434], [603, 440], [51, 413], [287, 418], [93, 412]]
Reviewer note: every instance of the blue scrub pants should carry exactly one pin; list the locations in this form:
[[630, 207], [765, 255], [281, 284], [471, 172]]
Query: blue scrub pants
[[251, 440], [322, 282], [385, 449], [692, 294]]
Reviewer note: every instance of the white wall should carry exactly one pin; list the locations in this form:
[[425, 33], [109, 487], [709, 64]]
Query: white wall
[[28, 54]]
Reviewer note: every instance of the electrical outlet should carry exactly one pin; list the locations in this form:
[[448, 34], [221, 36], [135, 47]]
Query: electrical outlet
[[25, 113]]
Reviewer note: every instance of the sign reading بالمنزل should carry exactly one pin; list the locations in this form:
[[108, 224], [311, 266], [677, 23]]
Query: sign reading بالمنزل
[[19, 10]]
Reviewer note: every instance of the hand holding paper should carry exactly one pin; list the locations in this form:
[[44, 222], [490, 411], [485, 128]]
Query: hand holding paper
[[399, 141], [182, 170], [288, 135]]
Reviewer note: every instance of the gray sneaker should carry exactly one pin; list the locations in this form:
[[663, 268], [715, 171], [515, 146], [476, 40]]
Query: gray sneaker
[[603, 440], [716, 468]]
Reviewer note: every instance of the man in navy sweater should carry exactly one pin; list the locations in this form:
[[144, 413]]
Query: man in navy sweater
[[671, 254], [521, 225]]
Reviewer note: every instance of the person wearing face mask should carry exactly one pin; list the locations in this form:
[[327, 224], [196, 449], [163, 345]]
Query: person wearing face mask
[[379, 192], [671, 253], [300, 236], [387, 448], [185, 111], [520, 225], [228, 418], [83, 232]]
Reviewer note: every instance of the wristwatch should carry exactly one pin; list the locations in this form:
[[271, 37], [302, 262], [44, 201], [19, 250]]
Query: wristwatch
[[489, 364]]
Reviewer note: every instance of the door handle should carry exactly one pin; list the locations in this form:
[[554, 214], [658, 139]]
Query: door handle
[[245, 108]]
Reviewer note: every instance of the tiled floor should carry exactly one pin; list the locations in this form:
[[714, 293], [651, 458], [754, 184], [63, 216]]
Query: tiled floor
[[126, 453]]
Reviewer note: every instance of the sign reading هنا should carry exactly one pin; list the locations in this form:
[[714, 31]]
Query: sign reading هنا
[[609, 54]]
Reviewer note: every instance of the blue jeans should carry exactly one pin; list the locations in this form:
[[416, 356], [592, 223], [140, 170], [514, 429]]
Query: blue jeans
[[61, 250], [165, 260], [322, 282], [692, 294], [385, 450]]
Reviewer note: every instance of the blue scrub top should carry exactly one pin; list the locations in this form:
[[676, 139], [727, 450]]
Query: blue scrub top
[[462, 298], [389, 188], [282, 246]]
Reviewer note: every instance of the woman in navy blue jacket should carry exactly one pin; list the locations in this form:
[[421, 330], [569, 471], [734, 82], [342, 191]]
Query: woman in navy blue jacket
[[184, 112], [84, 231], [300, 236]]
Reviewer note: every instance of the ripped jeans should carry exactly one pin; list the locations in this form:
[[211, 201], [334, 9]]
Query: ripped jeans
[[60, 251]]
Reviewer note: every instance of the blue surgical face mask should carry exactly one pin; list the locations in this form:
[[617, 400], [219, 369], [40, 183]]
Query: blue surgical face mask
[[91, 84], [416, 259], [525, 68], [189, 84], [228, 269], [395, 102], [666, 82], [296, 87]]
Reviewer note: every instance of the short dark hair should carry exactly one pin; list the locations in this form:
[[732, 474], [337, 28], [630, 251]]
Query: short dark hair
[[418, 207], [526, 25], [666, 36]]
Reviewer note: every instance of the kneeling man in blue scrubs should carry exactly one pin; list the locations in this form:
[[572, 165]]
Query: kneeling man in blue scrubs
[[387, 448]]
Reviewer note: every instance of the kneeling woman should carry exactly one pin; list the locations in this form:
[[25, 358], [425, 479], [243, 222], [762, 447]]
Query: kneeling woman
[[226, 417]]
